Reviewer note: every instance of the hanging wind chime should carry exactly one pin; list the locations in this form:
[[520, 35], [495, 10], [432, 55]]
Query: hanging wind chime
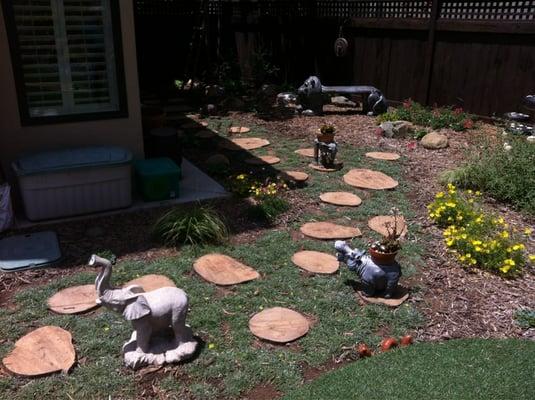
[[340, 44]]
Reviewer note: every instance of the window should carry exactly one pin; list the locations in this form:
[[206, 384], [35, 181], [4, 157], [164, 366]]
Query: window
[[67, 59]]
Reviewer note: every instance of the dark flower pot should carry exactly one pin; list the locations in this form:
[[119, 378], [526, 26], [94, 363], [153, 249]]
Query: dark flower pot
[[381, 258]]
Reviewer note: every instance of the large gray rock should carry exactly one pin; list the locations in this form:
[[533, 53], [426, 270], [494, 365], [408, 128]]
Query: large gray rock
[[396, 129], [435, 140]]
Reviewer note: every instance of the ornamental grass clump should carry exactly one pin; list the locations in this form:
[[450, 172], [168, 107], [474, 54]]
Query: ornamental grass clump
[[478, 238], [196, 225]]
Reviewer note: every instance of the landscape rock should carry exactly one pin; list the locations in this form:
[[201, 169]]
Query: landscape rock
[[395, 129], [342, 101], [434, 140]]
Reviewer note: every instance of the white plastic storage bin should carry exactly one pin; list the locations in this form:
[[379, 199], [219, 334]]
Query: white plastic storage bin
[[74, 181]]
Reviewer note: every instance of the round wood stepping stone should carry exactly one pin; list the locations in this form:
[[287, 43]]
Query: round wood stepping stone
[[316, 262], [341, 198], [73, 300], [378, 155], [205, 134], [378, 224], [399, 297], [204, 123], [244, 143], [239, 129], [369, 179], [296, 176], [151, 282], [305, 152], [278, 324], [263, 160], [336, 167], [223, 270], [42, 351], [328, 230]]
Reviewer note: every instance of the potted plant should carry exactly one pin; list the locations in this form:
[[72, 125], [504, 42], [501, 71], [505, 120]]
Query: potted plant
[[326, 134], [384, 251]]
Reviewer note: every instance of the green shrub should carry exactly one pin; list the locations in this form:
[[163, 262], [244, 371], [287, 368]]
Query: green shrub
[[194, 225], [525, 318], [436, 118], [269, 208], [507, 176]]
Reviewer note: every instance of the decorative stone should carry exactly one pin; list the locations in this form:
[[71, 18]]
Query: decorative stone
[[263, 160], [42, 351], [378, 224], [280, 325], [378, 155], [531, 139], [369, 179], [316, 262], [434, 140], [223, 270], [205, 134], [218, 160], [151, 282], [321, 168], [73, 300], [341, 198], [328, 230], [396, 128], [296, 176], [342, 101], [305, 152], [398, 298], [244, 144], [239, 129]]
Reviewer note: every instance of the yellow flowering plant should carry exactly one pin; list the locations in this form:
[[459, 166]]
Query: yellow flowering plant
[[478, 238]]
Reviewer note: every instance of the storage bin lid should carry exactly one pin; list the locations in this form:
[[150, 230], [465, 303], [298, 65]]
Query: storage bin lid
[[31, 250], [156, 167], [51, 161]]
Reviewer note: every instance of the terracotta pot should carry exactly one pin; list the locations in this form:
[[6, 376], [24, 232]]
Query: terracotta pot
[[381, 258]]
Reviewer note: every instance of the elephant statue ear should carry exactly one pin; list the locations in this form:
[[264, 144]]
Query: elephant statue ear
[[134, 289], [136, 309]]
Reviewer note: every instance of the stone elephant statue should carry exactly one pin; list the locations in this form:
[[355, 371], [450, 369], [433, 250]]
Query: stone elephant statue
[[377, 280], [151, 314]]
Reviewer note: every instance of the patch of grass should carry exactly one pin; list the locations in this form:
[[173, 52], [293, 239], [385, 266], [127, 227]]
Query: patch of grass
[[436, 118], [269, 208], [196, 225], [461, 369], [525, 318], [507, 176]]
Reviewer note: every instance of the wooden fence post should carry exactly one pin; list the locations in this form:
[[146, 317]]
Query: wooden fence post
[[430, 52]]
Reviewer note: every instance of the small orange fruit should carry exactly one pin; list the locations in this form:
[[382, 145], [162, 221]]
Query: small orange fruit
[[406, 340], [364, 350], [388, 343]]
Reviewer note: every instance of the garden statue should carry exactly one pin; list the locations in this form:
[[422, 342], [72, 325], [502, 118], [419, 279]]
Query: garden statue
[[377, 280], [325, 148], [313, 95], [152, 314]]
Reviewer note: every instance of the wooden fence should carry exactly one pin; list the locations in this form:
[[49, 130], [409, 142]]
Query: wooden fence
[[476, 54]]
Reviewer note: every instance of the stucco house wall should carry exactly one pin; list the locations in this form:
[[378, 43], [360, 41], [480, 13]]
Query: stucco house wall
[[16, 139]]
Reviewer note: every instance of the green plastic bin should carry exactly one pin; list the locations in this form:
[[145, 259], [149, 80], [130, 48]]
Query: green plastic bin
[[157, 178]]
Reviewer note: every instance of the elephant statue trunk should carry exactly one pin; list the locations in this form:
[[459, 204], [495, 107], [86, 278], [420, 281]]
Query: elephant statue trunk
[[152, 315]]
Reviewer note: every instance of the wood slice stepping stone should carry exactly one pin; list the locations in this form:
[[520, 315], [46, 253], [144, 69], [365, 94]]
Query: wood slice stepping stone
[[263, 160], [378, 155], [369, 179], [151, 282], [316, 262], [73, 300], [321, 168], [341, 198], [305, 152], [378, 224], [205, 134], [399, 297], [280, 325], [42, 351], [244, 144], [204, 123], [296, 176], [223, 270], [239, 129], [328, 230]]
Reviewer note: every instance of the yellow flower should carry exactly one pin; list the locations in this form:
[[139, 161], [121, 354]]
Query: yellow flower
[[504, 234], [211, 346], [450, 242], [478, 193], [478, 249], [505, 269], [528, 231], [531, 257], [469, 191], [439, 195]]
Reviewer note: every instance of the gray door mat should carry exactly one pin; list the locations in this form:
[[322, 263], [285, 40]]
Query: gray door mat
[[31, 250]]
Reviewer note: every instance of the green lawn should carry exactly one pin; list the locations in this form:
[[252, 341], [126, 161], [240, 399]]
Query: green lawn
[[461, 369], [235, 361]]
